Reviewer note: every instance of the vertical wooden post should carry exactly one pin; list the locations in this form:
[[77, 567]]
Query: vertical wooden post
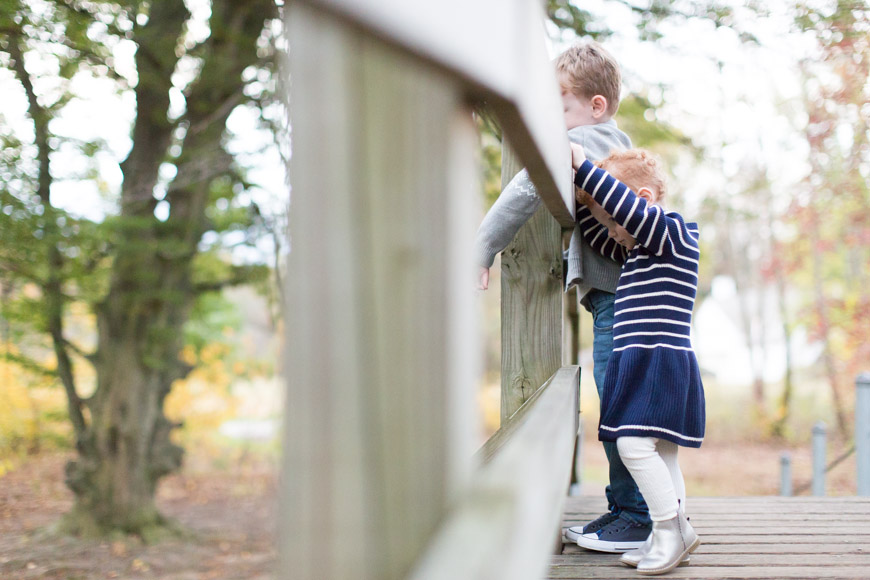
[[381, 349], [570, 327], [531, 303]]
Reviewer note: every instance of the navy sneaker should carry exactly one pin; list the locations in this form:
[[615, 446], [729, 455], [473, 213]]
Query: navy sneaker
[[571, 534], [620, 535]]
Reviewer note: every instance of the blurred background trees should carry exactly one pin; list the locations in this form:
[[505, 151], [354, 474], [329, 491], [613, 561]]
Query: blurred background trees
[[783, 203], [113, 289]]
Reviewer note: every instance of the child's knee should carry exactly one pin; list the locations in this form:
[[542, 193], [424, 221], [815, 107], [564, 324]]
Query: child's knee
[[635, 448]]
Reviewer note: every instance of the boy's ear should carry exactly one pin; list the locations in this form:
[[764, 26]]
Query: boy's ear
[[599, 106]]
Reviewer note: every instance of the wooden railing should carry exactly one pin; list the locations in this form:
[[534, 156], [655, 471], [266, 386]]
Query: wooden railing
[[380, 479], [506, 524]]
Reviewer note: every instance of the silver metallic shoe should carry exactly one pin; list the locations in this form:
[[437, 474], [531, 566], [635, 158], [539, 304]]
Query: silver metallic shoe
[[671, 541], [634, 557]]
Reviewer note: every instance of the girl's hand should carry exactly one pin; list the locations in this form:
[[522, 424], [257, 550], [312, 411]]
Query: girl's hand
[[578, 156], [582, 197]]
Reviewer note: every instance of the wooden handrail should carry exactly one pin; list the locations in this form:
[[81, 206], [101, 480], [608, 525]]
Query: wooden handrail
[[505, 525], [498, 50]]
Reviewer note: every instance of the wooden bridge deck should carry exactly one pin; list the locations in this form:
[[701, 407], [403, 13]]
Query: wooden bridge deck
[[746, 537]]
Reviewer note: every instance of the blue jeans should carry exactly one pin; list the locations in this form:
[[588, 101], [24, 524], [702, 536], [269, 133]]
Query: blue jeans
[[623, 496]]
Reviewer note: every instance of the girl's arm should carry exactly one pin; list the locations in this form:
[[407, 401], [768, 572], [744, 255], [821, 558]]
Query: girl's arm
[[596, 234], [646, 223]]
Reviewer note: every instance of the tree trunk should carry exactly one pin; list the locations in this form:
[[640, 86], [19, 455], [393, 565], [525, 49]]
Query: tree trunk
[[126, 447], [778, 427]]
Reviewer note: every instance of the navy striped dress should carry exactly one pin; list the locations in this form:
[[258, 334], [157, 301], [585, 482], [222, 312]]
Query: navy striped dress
[[652, 387]]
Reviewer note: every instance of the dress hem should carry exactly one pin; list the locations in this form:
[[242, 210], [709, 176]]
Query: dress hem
[[612, 434]]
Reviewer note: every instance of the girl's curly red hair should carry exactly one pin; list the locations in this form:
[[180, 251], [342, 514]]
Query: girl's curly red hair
[[637, 168]]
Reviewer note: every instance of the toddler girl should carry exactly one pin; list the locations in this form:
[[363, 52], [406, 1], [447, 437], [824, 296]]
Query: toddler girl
[[653, 399]]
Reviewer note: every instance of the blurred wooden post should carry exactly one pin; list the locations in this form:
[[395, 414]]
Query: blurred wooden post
[[380, 424], [531, 303], [381, 344]]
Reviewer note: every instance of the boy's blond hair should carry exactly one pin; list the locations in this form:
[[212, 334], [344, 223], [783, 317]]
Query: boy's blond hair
[[590, 70], [637, 168]]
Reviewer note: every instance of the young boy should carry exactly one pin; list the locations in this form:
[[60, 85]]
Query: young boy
[[590, 81]]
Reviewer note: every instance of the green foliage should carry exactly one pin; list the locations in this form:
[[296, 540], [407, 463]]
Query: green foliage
[[147, 272], [567, 16], [78, 40], [637, 118]]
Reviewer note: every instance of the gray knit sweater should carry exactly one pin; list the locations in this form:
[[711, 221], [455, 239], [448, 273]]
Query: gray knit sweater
[[587, 268]]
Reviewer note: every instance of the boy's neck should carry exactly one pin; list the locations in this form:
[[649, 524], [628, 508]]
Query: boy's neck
[[598, 121]]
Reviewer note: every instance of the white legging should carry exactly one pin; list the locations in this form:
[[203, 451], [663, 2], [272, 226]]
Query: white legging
[[653, 464]]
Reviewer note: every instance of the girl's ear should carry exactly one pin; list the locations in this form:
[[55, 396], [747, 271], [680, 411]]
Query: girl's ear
[[647, 194]]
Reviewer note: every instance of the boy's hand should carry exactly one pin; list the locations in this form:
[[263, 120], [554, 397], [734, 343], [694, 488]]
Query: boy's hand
[[483, 282], [578, 156]]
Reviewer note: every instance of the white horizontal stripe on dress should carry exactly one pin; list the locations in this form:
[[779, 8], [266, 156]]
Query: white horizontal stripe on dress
[[651, 320], [652, 294], [657, 345], [657, 280]]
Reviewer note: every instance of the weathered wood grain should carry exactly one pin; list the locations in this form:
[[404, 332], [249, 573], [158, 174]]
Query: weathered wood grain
[[701, 558], [708, 572], [531, 304], [506, 524], [747, 537], [379, 428], [508, 427]]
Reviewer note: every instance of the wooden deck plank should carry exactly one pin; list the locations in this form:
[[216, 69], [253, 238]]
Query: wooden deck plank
[[709, 572], [787, 518], [746, 537], [700, 558], [772, 527], [839, 549]]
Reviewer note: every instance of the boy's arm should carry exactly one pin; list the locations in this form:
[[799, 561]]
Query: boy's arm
[[596, 235], [517, 203], [647, 224]]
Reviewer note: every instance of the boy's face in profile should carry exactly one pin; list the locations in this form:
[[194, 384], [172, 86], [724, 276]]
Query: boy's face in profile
[[578, 110]]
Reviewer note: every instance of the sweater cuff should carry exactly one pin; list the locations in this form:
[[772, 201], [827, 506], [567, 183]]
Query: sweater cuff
[[583, 172], [486, 255]]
